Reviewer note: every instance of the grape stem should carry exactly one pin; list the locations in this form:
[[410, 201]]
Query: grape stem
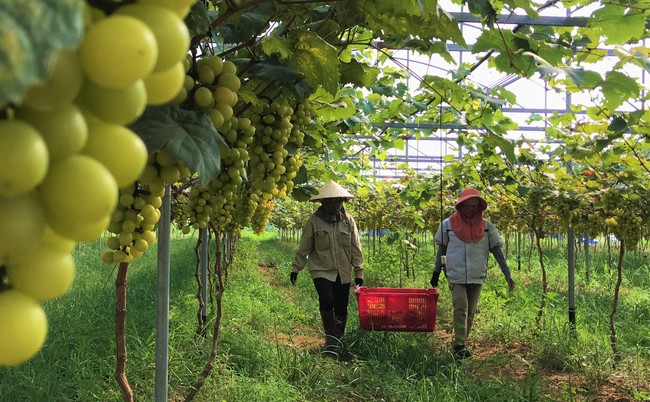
[[108, 6]]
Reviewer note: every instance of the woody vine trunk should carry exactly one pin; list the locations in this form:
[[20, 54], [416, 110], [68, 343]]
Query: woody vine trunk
[[217, 322], [120, 332]]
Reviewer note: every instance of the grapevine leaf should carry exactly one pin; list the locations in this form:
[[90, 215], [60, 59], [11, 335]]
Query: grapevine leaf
[[317, 60], [275, 45], [188, 134], [198, 19], [619, 26], [637, 56], [301, 176], [618, 124], [398, 20], [506, 146], [244, 26], [271, 69], [484, 9], [617, 88], [494, 103], [358, 74], [31, 33]]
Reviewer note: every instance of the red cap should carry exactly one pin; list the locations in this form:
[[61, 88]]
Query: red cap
[[468, 193]]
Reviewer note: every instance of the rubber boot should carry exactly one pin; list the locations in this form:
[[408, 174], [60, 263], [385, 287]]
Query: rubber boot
[[339, 329], [329, 327]]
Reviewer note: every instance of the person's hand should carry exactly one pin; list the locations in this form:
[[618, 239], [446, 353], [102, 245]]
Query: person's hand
[[511, 283], [293, 277], [434, 279], [358, 282]]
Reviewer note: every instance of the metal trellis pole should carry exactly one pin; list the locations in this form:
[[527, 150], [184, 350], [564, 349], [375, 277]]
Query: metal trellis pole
[[162, 311]]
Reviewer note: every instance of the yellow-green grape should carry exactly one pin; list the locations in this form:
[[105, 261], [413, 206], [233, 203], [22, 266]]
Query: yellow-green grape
[[78, 189], [261, 216], [206, 75], [117, 51], [214, 62], [627, 228], [64, 129], [24, 327], [60, 87], [179, 7], [119, 149], [228, 67], [24, 159], [114, 105], [203, 97], [163, 86], [230, 81], [82, 232], [171, 33], [21, 227], [45, 274]]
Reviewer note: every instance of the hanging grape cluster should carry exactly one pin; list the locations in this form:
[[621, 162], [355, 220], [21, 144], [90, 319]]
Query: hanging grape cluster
[[133, 222], [68, 152]]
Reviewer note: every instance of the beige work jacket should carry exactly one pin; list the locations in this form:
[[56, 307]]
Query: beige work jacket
[[330, 249]]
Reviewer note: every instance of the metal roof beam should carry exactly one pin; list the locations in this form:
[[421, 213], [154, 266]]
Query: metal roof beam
[[526, 20]]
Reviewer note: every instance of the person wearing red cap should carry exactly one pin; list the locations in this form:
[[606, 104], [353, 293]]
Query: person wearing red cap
[[331, 248], [464, 241]]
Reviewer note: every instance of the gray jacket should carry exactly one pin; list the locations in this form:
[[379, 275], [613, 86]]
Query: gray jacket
[[467, 262]]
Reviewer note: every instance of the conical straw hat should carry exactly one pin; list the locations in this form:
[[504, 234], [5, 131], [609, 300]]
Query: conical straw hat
[[331, 190]]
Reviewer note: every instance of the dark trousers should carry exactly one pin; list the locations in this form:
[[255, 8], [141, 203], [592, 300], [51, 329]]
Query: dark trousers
[[332, 295]]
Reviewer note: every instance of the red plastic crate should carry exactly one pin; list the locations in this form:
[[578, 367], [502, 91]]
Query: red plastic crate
[[397, 309]]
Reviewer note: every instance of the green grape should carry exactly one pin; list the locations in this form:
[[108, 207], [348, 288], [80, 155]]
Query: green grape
[[45, 274], [79, 189], [114, 105], [60, 87], [230, 81], [24, 159], [64, 129], [117, 51], [163, 86], [119, 149], [170, 32], [21, 227], [206, 75], [24, 325], [203, 97]]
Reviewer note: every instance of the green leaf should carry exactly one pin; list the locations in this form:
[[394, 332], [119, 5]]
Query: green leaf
[[619, 24], [246, 25], [275, 45], [617, 88], [506, 146], [317, 60], [31, 33], [272, 70], [494, 103], [484, 9], [188, 134], [198, 19], [358, 74], [302, 176], [618, 124]]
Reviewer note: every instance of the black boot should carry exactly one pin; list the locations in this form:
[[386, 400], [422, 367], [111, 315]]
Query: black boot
[[329, 326], [461, 352], [339, 326]]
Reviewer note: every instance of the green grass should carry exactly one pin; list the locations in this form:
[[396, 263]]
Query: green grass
[[265, 350]]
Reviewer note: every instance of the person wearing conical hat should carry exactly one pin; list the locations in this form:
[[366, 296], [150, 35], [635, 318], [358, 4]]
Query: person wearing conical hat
[[331, 249], [464, 241]]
